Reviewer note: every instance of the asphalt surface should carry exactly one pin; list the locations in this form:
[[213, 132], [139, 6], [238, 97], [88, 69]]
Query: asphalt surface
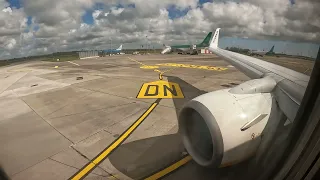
[[57, 116]]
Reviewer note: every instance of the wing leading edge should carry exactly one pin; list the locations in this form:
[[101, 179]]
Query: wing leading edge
[[290, 86]]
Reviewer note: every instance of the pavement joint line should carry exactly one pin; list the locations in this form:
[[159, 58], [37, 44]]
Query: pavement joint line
[[35, 163], [134, 113], [69, 104], [72, 145], [78, 82], [46, 121], [169, 169], [107, 130], [101, 77], [74, 84], [15, 82], [76, 167], [117, 86], [138, 100], [84, 156], [83, 172], [80, 153], [91, 111]]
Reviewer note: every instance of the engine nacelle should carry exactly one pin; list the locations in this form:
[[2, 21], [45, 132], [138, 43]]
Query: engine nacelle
[[221, 128]]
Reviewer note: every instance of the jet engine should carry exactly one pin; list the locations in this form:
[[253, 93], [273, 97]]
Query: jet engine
[[224, 127]]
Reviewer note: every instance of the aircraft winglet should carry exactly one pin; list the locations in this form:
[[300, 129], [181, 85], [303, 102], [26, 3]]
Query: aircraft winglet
[[215, 39]]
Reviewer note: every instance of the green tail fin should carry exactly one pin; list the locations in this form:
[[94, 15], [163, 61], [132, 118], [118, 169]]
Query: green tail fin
[[206, 41], [271, 50]]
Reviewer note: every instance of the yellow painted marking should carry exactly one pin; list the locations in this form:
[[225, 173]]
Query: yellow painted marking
[[149, 67], [160, 89], [160, 76], [73, 63], [84, 172], [144, 66], [212, 68], [169, 169], [137, 62], [19, 70], [56, 66]]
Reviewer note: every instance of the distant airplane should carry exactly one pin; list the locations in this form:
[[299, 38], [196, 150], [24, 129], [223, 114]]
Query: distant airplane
[[262, 53], [184, 48], [113, 51]]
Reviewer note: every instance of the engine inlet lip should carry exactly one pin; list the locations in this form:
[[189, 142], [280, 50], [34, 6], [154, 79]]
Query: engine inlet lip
[[215, 133]]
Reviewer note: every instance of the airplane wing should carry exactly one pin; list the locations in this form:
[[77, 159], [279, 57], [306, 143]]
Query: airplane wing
[[290, 85], [226, 126]]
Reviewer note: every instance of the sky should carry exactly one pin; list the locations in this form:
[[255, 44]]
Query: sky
[[29, 27]]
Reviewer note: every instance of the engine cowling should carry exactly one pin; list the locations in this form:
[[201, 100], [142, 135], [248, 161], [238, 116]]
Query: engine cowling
[[222, 128]]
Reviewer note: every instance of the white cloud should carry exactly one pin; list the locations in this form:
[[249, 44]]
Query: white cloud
[[7, 9], [10, 44], [116, 11], [276, 19], [96, 13], [60, 27], [12, 24]]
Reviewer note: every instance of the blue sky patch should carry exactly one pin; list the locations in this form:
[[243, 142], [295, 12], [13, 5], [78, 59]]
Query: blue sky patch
[[132, 5], [87, 17], [174, 12], [201, 2], [29, 22], [204, 1], [292, 2], [14, 3], [36, 27]]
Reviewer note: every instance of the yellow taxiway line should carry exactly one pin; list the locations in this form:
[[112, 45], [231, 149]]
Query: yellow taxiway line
[[137, 61], [83, 172], [176, 165], [169, 169], [144, 66], [73, 63]]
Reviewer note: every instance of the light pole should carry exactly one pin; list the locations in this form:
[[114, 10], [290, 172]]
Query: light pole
[[146, 44], [285, 48], [110, 46]]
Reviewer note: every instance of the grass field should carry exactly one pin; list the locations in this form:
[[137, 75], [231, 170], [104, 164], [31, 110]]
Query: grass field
[[61, 58], [3, 63]]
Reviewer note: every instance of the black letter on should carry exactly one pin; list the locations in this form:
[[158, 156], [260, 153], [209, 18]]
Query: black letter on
[[173, 90], [147, 91]]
